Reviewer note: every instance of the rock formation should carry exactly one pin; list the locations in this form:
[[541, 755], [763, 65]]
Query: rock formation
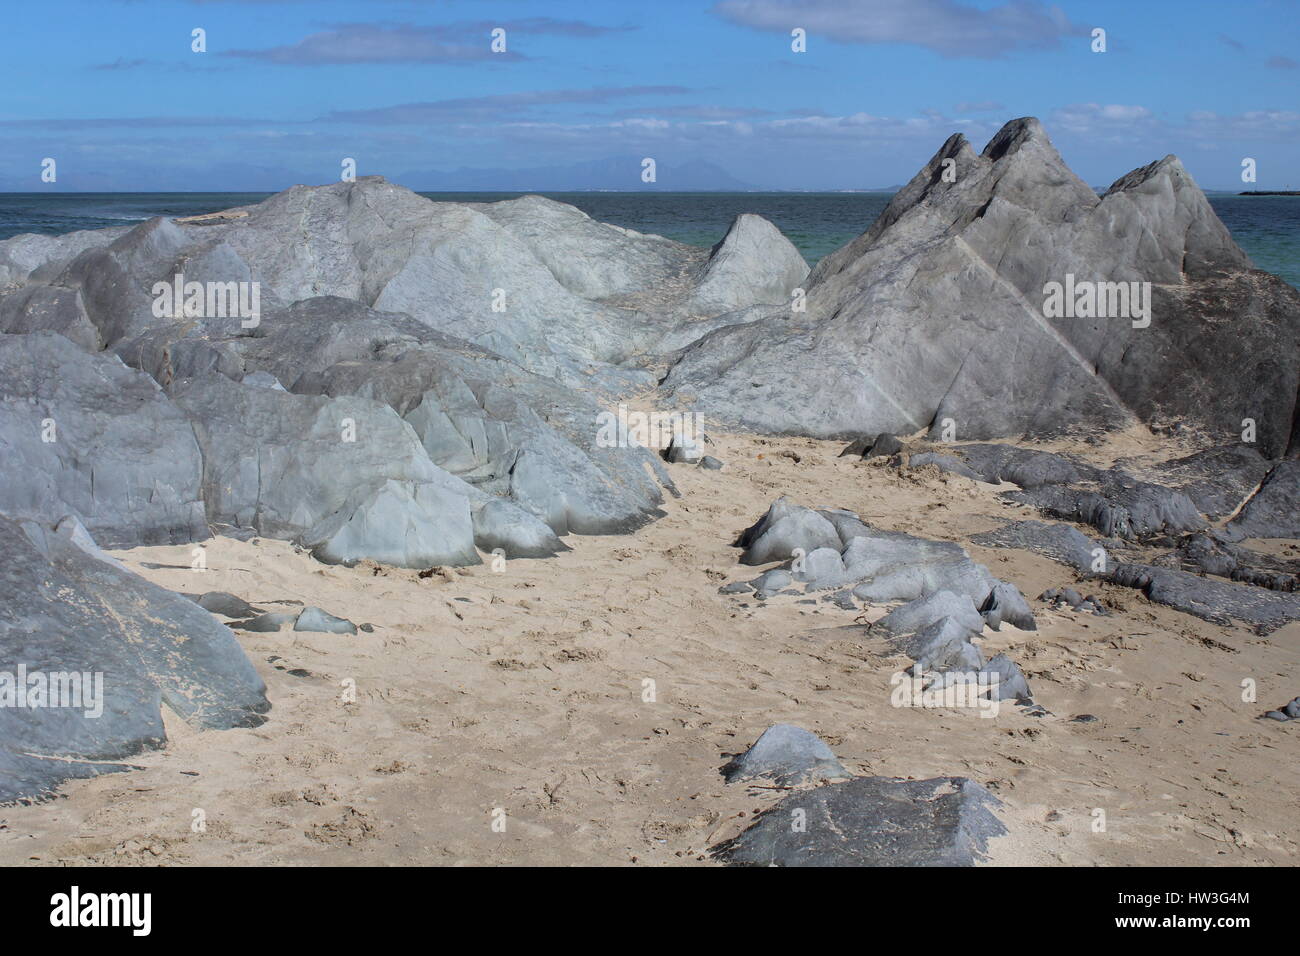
[[96, 652], [938, 312], [373, 375]]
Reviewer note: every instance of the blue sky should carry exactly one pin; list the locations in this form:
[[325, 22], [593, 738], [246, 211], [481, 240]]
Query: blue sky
[[287, 88]]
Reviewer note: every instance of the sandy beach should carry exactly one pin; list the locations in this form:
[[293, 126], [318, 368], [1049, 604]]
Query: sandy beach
[[521, 690]]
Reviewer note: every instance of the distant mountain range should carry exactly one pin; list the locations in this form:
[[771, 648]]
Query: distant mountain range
[[617, 173]]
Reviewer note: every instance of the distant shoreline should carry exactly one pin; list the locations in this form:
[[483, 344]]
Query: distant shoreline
[[1272, 192]]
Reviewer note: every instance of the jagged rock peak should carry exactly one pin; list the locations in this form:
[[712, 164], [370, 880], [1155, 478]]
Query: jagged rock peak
[[1015, 134]]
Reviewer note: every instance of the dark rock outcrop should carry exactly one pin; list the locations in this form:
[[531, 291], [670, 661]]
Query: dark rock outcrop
[[1274, 510], [1220, 602], [1060, 542], [872, 821]]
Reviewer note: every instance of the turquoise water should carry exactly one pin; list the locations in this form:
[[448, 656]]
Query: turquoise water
[[1267, 227]]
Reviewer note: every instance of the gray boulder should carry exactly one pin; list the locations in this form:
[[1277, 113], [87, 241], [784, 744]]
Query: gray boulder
[[944, 645], [773, 580], [499, 523], [754, 263], [314, 619], [1010, 682], [508, 433], [872, 821], [533, 280], [223, 603], [917, 615], [22, 255], [45, 308], [788, 756], [108, 649], [1010, 607], [783, 529], [345, 477]]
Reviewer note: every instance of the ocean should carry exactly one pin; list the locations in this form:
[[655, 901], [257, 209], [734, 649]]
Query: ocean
[[1267, 227]]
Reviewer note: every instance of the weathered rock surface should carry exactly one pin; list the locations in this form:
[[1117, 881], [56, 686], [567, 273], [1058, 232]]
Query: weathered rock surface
[[511, 434], [1118, 507], [87, 436], [64, 611], [788, 756], [1025, 467], [917, 615], [1010, 607], [346, 476], [1011, 683], [1221, 602], [533, 280], [937, 312], [1112, 500], [1060, 542], [754, 263], [1274, 510], [1217, 480], [872, 821], [944, 645]]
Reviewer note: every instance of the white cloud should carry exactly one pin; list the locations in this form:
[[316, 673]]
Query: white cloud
[[948, 27]]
